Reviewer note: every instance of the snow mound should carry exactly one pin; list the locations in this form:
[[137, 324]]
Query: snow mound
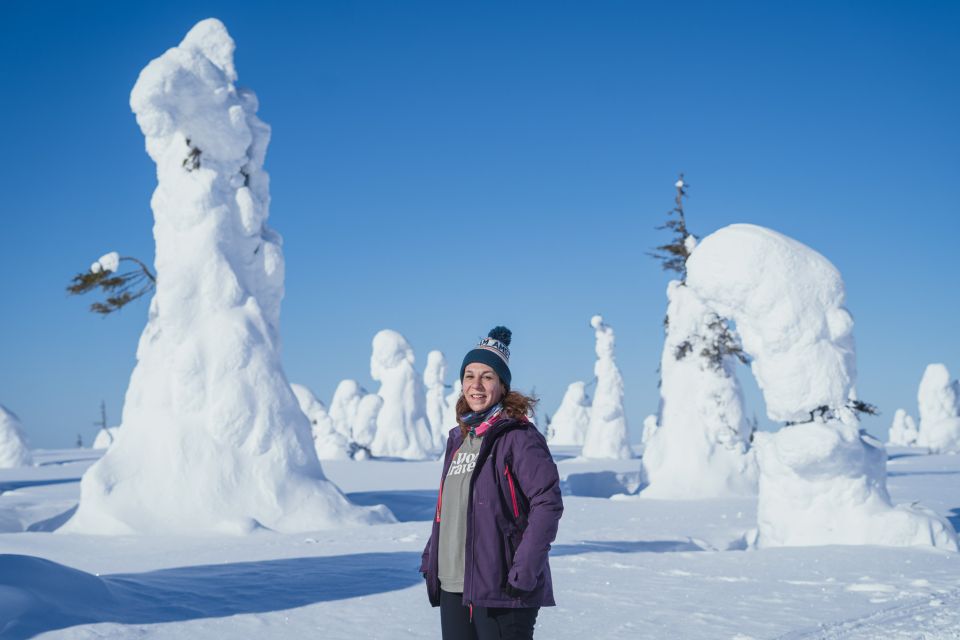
[[105, 437], [701, 447], [606, 435], [329, 444], [214, 441], [570, 423], [13, 445], [939, 404], [825, 483], [402, 427], [821, 482], [903, 430]]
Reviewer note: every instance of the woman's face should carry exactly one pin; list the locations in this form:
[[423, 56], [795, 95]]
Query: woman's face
[[481, 386]]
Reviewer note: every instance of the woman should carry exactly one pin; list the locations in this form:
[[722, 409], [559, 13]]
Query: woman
[[497, 510]]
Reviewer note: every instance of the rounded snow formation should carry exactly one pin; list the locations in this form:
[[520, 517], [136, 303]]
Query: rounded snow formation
[[606, 435], [572, 419], [13, 444], [701, 447], [787, 302], [328, 443], [214, 440], [402, 427], [825, 483], [938, 399]]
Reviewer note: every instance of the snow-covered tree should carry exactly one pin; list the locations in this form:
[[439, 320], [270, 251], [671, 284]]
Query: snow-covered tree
[[327, 441], [450, 416], [701, 447], [903, 430], [106, 437], [402, 427], [572, 418], [434, 379], [213, 438], [938, 398], [343, 406], [606, 435], [822, 480], [13, 444], [650, 426]]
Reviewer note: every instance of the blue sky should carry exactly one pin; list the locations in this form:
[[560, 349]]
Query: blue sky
[[438, 168]]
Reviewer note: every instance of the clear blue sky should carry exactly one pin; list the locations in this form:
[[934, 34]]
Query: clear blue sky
[[418, 144]]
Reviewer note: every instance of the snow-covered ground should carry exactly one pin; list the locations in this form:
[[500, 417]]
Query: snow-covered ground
[[625, 567]]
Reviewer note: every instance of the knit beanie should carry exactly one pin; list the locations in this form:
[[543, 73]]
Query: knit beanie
[[494, 352]]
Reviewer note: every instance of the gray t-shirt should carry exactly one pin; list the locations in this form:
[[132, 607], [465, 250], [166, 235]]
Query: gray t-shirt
[[453, 515]]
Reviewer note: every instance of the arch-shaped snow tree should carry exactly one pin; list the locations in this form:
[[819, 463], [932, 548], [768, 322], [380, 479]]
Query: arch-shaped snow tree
[[822, 480]]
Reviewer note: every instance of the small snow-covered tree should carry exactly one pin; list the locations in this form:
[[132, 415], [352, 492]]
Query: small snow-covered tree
[[673, 255], [13, 444], [570, 423], [402, 427], [938, 398], [606, 435], [434, 379], [903, 430], [327, 441]]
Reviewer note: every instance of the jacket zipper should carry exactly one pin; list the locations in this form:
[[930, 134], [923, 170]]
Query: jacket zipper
[[513, 491]]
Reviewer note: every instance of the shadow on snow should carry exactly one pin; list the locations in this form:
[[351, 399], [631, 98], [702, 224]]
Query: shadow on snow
[[45, 596], [407, 506]]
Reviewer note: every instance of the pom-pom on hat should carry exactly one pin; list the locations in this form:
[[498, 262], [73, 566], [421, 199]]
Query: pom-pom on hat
[[493, 351]]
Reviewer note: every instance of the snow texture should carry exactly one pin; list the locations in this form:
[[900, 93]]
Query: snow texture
[[701, 447], [434, 379], [572, 419], [939, 405], [606, 435], [903, 430], [105, 437], [327, 441], [823, 481], [214, 440], [402, 427], [108, 262], [13, 445]]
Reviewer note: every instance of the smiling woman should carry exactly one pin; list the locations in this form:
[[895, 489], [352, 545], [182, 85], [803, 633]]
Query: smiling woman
[[498, 508]]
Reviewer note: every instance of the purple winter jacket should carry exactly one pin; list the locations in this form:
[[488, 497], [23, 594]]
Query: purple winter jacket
[[512, 518]]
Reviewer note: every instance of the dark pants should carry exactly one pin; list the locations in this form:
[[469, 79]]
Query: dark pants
[[489, 623]]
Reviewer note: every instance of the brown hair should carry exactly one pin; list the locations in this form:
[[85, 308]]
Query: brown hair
[[515, 405]]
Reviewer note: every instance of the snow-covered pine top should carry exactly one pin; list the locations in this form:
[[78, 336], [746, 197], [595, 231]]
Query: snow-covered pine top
[[787, 301], [108, 262], [435, 373], [605, 337]]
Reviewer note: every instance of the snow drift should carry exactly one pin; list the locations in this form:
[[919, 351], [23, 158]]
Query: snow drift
[[606, 435], [822, 481], [402, 427], [214, 440], [13, 445]]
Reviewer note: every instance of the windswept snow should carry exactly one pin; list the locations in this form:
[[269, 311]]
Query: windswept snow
[[13, 446], [606, 435], [213, 438], [572, 419], [402, 427], [823, 481], [938, 398]]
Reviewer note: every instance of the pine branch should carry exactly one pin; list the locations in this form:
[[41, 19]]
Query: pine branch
[[120, 288]]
